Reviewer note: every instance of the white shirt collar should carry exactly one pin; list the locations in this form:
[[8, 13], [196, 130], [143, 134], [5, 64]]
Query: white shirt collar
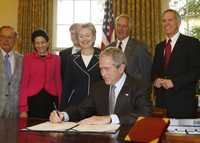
[[75, 49], [11, 57], [124, 43], [4, 53], [119, 84], [173, 39]]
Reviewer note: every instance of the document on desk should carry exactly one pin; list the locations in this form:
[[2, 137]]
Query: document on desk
[[74, 127], [48, 126], [184, 126], [103, 128]]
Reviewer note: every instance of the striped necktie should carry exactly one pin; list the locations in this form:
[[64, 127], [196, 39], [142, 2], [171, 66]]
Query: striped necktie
[[7, 65], [112, 99]]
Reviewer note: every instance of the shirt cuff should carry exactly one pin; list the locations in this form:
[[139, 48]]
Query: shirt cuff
[[66, 116], [114, 119]]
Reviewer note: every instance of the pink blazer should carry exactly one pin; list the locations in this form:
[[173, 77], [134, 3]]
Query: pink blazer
[[38, 73]]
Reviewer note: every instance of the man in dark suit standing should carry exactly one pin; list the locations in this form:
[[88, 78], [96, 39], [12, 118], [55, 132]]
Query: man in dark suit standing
[[137, 55], [64, 54], [175, 69], [117, 99], [65, 57]]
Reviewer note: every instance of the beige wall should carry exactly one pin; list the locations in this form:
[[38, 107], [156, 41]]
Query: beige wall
[[8, 12]]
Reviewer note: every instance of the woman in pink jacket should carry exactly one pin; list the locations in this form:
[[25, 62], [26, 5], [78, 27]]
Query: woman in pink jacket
[[41, 81]]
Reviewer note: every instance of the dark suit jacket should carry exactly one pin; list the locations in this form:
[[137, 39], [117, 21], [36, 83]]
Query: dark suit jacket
[[138, 58], [79, 78], [132, 102], [183, 70], [64, 55]]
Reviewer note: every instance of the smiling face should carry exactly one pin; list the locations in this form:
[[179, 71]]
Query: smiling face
[[41, 45], [170, 23], [110, 73], [122, 28], [7, 39], [85, 38]]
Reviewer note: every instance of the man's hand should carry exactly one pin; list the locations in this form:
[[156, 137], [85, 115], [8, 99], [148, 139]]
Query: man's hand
[[158, 82], [23, 115], [96, 120], [167, 83], [56, 117]]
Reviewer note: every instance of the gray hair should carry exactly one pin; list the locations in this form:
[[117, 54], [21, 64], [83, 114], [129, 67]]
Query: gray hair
[[92, 28], [116, 54], [122, 16], [74, 26], [178, 17], [9, 27]]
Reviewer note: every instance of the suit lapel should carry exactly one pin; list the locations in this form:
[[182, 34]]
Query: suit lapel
[[16, 67], [175, 50], [105, 98], [130, 46], [79, 62], [122, 97], [94, 61]]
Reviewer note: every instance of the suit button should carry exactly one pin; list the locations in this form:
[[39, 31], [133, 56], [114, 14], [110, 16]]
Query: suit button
[[9, 83], [6, 95]]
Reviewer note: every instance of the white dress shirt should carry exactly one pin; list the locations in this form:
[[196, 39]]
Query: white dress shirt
[[173, 40], [124, 43], [11, 58], [114, 118]]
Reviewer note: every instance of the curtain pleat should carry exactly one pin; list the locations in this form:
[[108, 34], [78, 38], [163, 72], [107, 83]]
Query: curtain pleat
[[145, 17], [33, 14]]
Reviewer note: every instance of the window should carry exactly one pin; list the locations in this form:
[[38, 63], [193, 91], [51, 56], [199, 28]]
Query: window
[[189, 11], [77, 11]]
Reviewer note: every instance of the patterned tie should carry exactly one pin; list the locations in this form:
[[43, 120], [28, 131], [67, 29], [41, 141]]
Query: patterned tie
[[120, 45], [7, 65], [168, 52], [112, 99]]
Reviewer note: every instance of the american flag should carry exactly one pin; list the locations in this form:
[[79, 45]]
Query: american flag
[[108, 25]]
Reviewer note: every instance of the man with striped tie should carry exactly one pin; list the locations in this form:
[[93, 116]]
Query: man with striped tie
[[138, 57], [119, 99], [10, 73]]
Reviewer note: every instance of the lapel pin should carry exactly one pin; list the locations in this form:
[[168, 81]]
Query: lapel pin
[[126, 94]]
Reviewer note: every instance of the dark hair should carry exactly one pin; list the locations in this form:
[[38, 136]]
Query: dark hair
[[38, 33]]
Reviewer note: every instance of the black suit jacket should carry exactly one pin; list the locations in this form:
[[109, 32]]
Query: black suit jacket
[[183, 70], [138, 58], [131, 102], [78, 78], [64, 55]]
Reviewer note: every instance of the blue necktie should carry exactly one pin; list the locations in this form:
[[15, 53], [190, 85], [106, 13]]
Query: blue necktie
[[7, 66]]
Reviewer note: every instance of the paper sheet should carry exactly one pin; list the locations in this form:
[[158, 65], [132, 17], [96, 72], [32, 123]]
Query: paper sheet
[[105, 128], [184, 126], [48, 126]]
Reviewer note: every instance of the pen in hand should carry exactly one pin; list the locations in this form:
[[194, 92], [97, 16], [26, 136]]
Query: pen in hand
[[54, 104]]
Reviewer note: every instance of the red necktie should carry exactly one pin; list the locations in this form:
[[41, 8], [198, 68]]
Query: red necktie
[[168, 52]]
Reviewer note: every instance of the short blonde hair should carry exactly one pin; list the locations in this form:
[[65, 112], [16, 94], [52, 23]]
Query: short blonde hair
[[91, 27]]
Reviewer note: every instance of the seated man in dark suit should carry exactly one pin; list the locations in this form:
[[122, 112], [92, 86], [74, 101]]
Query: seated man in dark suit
[[119, 99]]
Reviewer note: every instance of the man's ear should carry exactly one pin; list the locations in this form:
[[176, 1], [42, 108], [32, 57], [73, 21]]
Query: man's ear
[[122, 68]]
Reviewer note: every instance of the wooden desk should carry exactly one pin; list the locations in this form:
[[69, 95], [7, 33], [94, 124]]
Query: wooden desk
[[9, 133]]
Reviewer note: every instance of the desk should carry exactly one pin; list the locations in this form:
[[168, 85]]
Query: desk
[[9, 133]]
